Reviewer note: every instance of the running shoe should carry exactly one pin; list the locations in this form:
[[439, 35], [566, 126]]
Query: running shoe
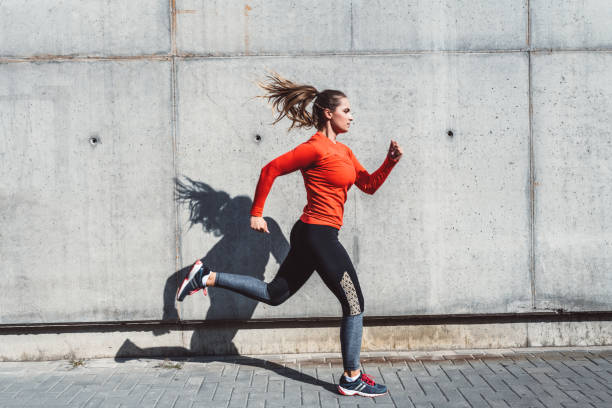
[[194, 281], [364, 386]]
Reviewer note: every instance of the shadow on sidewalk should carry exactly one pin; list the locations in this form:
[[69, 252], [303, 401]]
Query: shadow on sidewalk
[[239, 251], [130, 349]]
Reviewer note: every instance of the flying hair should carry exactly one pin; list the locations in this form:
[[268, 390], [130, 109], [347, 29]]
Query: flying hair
[[291, 100]]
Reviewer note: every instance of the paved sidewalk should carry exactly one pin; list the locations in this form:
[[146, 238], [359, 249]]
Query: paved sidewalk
[[534, 377]]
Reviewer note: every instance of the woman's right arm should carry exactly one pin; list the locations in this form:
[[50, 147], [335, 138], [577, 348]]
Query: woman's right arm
[[301, 157]]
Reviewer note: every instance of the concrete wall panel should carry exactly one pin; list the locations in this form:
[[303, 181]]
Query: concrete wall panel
[[221, 27], [88, 230], [449, 231], [84, 27], [397, 25], [297, 27], [571, 24], [572, 100]]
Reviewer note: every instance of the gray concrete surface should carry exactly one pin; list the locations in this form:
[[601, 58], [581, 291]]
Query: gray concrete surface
[[84, 222], [438, 25], [550, 378], [568, 24], [236, 27], [84, 27], [572, 149], [280, 27], [507, 215]]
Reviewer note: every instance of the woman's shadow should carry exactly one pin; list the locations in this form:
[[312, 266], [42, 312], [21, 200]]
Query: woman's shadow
[[239, 251]]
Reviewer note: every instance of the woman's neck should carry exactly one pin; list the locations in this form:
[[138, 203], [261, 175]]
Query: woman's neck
[[329, 132]]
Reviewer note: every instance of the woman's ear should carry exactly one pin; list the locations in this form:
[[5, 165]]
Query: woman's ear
[[327, 113]]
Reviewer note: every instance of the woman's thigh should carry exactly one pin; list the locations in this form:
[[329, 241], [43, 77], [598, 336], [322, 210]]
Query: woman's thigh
[[334, 265], [295, 270]]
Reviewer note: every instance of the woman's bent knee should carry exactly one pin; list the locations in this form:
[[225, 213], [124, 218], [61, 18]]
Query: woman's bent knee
[[276, 297], [275, 302]]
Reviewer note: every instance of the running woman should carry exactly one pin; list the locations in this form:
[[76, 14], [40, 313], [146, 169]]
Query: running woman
[[329, 169]]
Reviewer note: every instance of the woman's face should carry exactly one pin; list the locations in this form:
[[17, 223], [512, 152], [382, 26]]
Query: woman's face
[[341, 117]]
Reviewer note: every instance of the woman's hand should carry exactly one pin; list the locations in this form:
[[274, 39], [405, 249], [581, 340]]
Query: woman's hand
[[259, 224], [395, 151]]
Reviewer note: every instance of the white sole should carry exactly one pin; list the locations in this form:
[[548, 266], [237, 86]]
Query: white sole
[[349, 393], [192, 272]]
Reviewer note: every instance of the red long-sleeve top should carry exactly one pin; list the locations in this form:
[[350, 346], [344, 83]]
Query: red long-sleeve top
[[329, 170]]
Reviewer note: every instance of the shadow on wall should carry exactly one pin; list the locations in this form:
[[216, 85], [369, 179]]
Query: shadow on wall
[[240, 251]]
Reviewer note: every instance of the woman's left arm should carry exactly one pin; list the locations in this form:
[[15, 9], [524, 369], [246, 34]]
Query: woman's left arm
[[369, 183]]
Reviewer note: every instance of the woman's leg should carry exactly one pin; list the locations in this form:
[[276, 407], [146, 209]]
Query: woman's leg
[[351, 329], [334, 265], [337, 271], [291, 276]]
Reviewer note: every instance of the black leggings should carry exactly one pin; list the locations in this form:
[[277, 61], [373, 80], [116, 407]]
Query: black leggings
[[313, 247]]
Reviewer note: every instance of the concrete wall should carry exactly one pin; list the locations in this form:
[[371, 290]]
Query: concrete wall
[[102, 104]]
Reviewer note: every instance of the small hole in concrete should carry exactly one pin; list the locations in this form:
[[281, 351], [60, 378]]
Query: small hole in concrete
[[257, 138], [94, 140], [450, 133]]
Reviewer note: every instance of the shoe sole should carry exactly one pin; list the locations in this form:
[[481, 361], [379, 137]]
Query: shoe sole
[[194, 269], [344, 391]]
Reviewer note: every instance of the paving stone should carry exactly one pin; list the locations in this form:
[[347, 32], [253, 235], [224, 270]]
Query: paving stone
[[310, 398], [94, 402], [151, 397], [452, 404], [423, 405], [82, 398], [496, 403], [411, 386], [233, 403], [528, 403], [402, 401], [452, 393]]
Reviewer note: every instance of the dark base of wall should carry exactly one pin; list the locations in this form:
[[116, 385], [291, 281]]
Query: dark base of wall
[[285, 323]]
